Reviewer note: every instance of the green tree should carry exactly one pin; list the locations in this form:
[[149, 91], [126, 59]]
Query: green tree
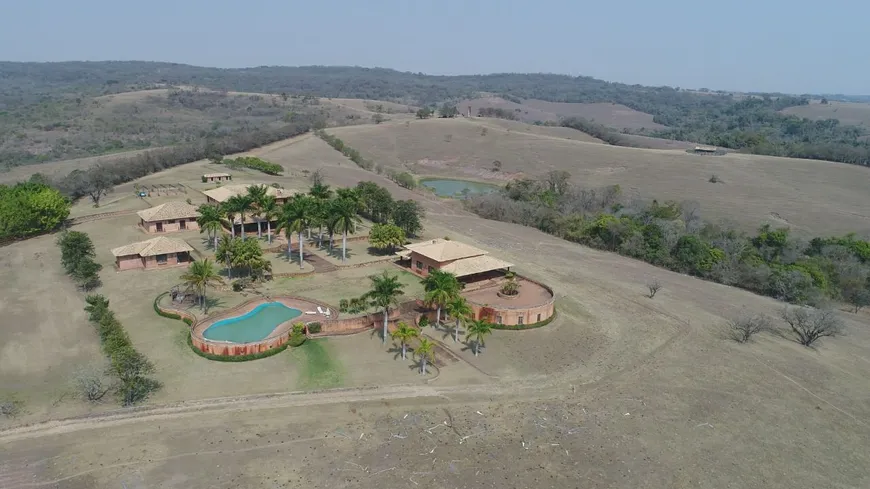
[[386, 237], [375, 202], [384, 294], [448, 111], [404, 334], [201, 274], [426, 351], [477, 331], [210, 221], [269, 211], [75, 246], [408, 214], [225, 252], [440, 287], [296, 214], [240, 205], [257, 194], [345, 221], [27, 209], [459, 309], [424, 113]]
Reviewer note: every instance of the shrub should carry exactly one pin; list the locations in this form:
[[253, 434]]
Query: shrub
[[715, 179], [424, 321], [10, 407], [314, 328], [745, 326], [296, 339], [241, 284], [653, 287]]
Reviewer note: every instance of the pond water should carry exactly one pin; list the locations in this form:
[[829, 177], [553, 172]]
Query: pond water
[[454, 188], [252, 326]]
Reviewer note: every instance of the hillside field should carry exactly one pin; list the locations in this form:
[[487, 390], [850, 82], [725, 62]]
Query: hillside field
[[848, 113], [811, 197]]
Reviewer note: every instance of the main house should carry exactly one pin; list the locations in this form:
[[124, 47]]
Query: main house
[[222, 194], [460, 259], [156, 252], [169, 217]]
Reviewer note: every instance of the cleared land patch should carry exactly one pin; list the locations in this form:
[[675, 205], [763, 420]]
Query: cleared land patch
[[849, 113]]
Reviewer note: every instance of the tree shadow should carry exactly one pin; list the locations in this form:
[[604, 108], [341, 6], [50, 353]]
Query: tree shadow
[[213, 302], [336, 252], [379, 252]]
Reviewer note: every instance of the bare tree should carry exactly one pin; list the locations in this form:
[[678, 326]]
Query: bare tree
[[91, 382], [809, 324], [557, 180], [316, 178], [857, 297], [10, 407], [744, 326], [653, 287]]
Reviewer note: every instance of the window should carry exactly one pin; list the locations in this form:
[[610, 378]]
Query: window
[[519, 320], [498, 318], [419, 265], [539, 317], [161, 259], [431, 269]]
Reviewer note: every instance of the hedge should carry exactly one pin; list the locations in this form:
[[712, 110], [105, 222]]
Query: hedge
[[314, 328], [520, 327], [235, 358], [296, 340], [170, 315]]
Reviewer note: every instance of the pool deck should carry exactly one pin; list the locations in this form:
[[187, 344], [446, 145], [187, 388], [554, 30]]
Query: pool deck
[[276, 338]]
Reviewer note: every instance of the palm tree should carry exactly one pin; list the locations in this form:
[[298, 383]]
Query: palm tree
[[440, 287], [227, 210], [321, 194], [329, 220], [200, 275], [210, 221], [241, 205], [226, 251], [258, 193], [269, 211], [478, 329], [426, 351], [404, 334], [384, 294], [345, 220], [458, 309], [295, 216]]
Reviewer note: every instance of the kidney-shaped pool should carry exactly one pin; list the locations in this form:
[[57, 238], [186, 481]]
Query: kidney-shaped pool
[[253, 326]]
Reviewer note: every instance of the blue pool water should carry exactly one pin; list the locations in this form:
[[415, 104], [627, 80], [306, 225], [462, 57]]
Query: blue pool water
[[454, 188], [253, 326]]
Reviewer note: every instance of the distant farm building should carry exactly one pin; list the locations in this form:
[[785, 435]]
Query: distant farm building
[[222, 194], [460, 259], [169, 217], [216, 177], [160, 252], [707, 150]]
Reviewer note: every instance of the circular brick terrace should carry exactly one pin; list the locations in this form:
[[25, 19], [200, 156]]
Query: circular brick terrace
[[533, 304], [276, 338]]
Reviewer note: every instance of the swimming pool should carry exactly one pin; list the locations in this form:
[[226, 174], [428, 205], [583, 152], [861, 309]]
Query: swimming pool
[[253, 326]]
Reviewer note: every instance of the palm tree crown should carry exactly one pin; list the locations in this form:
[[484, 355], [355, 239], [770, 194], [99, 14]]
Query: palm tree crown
[[384, 294], [478, 329], [460, 310], [426, 351], [210, 221], [295, 216], [440, 287], [257, 193], [403, 334], [344, 219], [200, 275], [240, 205], [269, 211]]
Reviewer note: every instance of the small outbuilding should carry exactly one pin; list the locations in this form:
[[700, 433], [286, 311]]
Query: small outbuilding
[[169, 217], [160, 252], [216, 177]]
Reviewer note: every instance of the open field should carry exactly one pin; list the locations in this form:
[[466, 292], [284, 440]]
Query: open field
[[811, 197], [618, 391], [531, 110], [849, 113]]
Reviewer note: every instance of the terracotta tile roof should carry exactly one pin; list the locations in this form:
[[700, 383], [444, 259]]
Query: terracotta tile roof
[[475, 264], [221, 194], [169, 210], [156, 246], [442, 250]]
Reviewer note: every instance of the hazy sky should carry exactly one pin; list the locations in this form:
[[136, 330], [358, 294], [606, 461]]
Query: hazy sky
[[760, 45]]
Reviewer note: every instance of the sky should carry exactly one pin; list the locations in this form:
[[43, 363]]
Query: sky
[[791, 46]]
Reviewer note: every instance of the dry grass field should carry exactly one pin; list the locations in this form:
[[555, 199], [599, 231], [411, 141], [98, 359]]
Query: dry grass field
[[811, 197], [613, 115], [849, 113], [619, 391]]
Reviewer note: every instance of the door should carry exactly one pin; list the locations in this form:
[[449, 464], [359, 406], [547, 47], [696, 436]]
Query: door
[[159, 227], [182, 225]]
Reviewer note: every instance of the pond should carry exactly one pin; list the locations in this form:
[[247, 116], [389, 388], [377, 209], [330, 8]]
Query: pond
[[454, 188], [253, 326]]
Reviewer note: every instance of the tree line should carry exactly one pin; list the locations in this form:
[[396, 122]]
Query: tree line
[[251, 162], [672, 235], [30, 208]]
